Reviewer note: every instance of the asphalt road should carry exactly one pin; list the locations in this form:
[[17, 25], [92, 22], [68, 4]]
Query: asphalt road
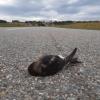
[[20, 46]]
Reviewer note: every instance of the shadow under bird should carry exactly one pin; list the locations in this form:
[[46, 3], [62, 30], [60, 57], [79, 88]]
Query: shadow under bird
[[48, 65]]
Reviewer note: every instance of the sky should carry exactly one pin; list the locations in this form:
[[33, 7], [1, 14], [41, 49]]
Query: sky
[[47, 10]]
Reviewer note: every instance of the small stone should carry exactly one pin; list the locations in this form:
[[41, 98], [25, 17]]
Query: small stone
[[9, 76], [71, 98], [41, 93], [81, 70], [57, 90]]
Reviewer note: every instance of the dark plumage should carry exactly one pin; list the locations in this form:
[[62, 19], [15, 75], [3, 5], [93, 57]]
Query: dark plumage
[[50, 64]]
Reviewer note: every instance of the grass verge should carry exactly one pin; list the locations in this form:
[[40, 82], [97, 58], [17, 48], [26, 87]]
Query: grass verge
[[80, 25], [92, 26]]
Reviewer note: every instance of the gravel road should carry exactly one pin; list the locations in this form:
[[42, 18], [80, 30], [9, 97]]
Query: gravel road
[[20, 46]]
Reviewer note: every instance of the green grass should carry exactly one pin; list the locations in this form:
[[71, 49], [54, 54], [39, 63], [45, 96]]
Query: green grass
[[87, 25], [13, 25], [80, 25]]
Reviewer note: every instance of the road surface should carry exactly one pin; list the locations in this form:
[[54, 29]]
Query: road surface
[[20, 46]]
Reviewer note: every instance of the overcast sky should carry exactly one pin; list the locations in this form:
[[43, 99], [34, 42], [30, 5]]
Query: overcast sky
[[50, 9]]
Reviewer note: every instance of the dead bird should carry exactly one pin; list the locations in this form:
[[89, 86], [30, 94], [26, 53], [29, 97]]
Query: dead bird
[[48, 65]]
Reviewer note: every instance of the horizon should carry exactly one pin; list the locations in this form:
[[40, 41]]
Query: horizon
[[50, 20], [50, 10]]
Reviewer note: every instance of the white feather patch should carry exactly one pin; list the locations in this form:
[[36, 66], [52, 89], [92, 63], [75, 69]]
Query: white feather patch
[[62, 57]]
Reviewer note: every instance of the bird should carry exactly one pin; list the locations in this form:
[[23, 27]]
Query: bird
[[48, 65]]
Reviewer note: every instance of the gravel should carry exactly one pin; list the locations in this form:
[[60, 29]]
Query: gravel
[[20, 46]]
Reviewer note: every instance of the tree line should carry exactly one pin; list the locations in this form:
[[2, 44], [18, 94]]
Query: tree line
[[44, 23]]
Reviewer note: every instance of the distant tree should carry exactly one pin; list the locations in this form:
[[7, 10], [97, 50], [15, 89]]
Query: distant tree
[[15, 21], [62, 22], [34, 23], [40, 23], [3, 21], [28, 22], [69, 21]]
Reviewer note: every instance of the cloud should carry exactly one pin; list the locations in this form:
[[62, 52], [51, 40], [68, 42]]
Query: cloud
[[50, 9], [6, 2]]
